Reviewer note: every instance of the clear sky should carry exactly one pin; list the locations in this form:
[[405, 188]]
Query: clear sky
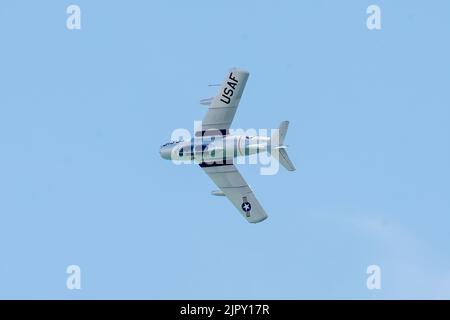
[[83, 113]]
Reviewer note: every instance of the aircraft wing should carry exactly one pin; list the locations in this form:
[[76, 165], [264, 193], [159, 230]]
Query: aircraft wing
[[231, 183], [223, 107]]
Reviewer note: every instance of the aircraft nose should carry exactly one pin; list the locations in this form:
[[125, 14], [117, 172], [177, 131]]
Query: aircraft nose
[[165, 153]]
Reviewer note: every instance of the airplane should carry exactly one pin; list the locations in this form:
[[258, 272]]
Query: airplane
[[214, 148]]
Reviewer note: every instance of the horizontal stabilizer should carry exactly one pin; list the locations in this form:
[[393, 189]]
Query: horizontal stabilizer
[[283, 158], [279, 150]]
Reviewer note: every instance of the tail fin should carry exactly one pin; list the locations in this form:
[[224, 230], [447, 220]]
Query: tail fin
[[279, 149]]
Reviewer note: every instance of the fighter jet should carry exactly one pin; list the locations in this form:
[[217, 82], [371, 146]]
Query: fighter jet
[[215, 149]]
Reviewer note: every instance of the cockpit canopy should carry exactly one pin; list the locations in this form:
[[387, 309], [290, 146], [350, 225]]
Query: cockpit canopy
[[171, 143]]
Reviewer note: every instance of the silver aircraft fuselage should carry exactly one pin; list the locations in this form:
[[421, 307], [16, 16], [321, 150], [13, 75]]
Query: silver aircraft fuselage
[[214, 148]]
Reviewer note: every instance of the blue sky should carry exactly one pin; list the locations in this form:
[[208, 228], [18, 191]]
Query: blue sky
[[83, 113]]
